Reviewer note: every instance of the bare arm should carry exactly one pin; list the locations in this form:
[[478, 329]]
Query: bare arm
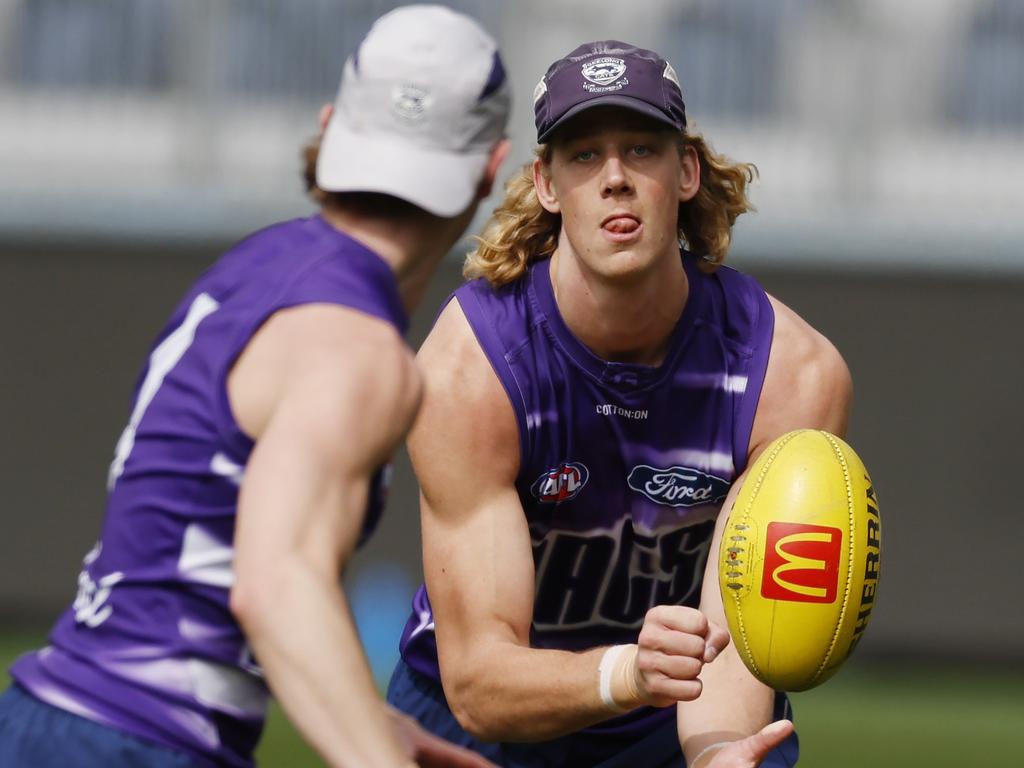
[[807, 385], [479, 567], [326, 392]]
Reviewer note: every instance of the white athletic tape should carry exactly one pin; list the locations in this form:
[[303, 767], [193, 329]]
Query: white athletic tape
[[716, 746], [606, 669]]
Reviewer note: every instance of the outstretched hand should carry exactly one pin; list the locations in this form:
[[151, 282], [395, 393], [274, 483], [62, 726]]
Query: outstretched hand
[[430, 751], [749, 752]]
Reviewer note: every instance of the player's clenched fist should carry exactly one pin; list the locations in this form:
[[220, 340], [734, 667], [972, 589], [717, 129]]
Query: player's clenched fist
[[675, 643]]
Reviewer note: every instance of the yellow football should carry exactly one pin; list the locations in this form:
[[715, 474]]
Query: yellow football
[[799, 560]]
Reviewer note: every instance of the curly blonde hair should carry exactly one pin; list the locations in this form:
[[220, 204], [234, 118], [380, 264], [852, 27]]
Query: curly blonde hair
[[521, 232]]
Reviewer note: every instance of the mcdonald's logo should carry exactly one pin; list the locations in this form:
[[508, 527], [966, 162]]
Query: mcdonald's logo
[[801, 563]]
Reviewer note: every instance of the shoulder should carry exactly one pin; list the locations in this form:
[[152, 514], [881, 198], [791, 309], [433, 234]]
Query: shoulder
[[294, 236], [366, 351], [737, 304], [453, 363], [465, 407], [807, 383], [336, 357], [803, 353], [473, 327], [501, 312]]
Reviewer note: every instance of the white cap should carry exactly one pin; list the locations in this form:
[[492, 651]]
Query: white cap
[[422, 102]]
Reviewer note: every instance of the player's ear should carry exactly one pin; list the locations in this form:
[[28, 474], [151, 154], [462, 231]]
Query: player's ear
[[689, 179], [498, 154], [545, 187], [325, 116]]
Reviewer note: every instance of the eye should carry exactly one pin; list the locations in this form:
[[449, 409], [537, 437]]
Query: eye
[[584, 155], [642, 150]]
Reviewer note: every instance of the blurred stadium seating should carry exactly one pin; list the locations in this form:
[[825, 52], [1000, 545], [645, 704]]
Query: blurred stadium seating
[[868, 118]]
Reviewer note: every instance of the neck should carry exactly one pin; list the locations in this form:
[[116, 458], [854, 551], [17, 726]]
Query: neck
[[625, 319], [412, 245]]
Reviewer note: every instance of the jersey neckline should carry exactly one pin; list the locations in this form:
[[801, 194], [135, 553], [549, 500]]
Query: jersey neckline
[[620, 376]]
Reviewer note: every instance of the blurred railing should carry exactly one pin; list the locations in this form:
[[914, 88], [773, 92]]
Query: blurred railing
[[880, 127]]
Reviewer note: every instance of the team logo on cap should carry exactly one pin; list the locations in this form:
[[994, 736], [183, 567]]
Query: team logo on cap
[[603, 72], [410, 102]]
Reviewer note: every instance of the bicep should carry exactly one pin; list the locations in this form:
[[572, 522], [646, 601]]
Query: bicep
[[477, 554], [478, 565], [346, 398]]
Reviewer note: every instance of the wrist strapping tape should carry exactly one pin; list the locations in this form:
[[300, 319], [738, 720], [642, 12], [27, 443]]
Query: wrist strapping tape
[[618, 679], [715, 747]]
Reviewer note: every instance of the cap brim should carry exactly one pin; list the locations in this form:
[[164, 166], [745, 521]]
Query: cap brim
[[441, 183], [610, 100]]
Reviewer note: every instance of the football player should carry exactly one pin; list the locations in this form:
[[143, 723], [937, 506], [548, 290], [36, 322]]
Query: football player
[[596, 393], [255, 457]]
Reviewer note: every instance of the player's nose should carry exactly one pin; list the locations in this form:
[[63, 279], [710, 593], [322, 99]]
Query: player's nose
[[614, 176]]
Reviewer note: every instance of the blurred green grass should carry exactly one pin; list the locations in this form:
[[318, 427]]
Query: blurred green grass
[[878, 716], [908, 715]]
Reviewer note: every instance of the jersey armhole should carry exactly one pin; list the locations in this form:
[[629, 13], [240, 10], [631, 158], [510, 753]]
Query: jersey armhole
[[494, 350], [287, 295], [762, 334]]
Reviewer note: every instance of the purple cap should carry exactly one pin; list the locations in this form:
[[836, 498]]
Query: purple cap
[[608, 73]]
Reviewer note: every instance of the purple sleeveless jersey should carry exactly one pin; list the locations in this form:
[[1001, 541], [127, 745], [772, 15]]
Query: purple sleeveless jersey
[[150, 646], [623, 467]]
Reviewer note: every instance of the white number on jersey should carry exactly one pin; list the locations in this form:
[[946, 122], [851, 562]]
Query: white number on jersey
[[164, 358], [90, 605]]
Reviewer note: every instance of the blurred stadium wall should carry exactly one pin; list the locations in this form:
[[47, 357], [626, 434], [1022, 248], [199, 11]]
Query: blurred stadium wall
[[138, 138]]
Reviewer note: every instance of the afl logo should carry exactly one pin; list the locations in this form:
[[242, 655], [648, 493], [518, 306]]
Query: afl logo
[[562, 483], [604, 70]]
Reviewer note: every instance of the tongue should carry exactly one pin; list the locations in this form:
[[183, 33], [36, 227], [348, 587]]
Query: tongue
[[623, 225]]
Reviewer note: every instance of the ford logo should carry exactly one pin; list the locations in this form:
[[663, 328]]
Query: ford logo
[[678, 486]]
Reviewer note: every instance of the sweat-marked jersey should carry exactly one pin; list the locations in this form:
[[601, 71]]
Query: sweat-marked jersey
[[150, 646], [623, 468]]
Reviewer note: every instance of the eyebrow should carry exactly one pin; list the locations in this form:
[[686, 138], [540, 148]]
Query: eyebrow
[[586, 134]]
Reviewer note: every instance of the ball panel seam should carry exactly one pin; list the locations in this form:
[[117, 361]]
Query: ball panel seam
[[850, 530], [746, 519]]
